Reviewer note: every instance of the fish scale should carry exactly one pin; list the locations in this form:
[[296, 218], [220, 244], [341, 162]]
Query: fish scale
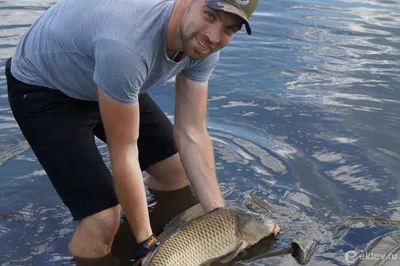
[[199, 241]]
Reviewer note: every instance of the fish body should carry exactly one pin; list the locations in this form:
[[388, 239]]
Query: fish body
[[220, 234]]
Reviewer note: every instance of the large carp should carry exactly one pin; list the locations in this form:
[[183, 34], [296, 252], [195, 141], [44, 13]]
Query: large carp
[[220, 234]]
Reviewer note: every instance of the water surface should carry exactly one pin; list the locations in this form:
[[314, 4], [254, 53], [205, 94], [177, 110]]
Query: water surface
[[305, 114]]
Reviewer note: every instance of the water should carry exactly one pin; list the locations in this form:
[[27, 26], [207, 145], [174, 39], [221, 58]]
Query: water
[[304, 114]]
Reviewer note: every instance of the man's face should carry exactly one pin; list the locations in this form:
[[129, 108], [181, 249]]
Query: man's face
[[204, 30]]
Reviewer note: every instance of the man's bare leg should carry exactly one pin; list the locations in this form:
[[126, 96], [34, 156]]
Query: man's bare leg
[[94, 234], [167, 175]]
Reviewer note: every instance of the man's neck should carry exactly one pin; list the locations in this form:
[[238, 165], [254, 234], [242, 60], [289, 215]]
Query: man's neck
[[175, 56], [174, 43]]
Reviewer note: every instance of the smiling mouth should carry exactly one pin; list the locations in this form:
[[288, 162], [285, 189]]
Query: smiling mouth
[[203, 45]]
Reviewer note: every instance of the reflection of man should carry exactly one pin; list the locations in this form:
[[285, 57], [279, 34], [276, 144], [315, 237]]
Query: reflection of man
[[82, 70]]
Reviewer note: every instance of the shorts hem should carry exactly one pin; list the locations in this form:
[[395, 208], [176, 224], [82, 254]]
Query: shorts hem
[[92, 206]]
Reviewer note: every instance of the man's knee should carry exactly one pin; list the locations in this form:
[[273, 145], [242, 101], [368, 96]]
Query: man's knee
[[94, 234], [107, 221], [168, 174]]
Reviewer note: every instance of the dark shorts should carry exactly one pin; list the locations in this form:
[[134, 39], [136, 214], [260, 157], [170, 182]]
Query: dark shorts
[[61, 132]]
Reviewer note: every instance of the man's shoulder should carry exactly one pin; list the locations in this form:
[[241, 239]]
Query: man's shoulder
[[137, 25]]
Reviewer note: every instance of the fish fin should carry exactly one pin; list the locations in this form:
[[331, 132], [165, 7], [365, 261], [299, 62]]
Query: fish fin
[[230, 256]]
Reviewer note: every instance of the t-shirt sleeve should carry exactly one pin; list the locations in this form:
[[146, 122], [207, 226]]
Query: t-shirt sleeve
[[200, 71], [119, 71]]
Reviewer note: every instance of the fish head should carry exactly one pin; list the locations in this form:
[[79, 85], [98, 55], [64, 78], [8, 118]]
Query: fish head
[[255, 226]]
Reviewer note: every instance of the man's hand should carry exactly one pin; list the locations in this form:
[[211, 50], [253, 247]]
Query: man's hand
[[145, 258], [146, 247]]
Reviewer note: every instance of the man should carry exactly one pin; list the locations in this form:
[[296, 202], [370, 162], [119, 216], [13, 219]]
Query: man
[[82, 70]]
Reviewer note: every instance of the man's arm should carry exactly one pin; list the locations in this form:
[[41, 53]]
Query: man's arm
[[121, 124], [194, 143]]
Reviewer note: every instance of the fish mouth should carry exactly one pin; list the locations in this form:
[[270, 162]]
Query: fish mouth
[[275, 230], [271, 225]]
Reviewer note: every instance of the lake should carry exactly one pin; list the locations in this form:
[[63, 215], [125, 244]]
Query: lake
[[304, 114]]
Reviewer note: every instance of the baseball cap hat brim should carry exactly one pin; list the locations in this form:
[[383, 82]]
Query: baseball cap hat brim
[[227, 7]]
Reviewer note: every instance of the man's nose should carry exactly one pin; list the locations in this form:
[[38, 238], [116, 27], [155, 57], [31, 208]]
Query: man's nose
[[213, 35]]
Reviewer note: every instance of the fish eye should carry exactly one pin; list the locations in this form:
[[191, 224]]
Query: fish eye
[[264, 219]]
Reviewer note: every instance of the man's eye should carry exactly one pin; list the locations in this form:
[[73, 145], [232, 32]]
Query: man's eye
[[210, 15], [231, 30]]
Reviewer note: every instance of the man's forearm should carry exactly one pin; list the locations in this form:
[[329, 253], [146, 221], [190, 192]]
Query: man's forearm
[[197, 157], [130, 191]]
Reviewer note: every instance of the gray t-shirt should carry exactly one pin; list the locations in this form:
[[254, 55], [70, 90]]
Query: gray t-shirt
[[119, 45]]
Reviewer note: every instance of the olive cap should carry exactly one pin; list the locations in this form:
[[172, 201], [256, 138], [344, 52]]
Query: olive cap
[[242, 8]]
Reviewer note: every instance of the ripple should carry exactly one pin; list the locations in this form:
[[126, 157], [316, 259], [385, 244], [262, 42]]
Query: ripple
[[345, 140], [266, 159], [3, 230], [352, 175], [11, 149], [327, 157], [34, 173], [238, 104], [307, 118], [276, 146], [298, 198], [394, 210]]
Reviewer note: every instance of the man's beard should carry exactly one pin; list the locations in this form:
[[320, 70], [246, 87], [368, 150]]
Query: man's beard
[[191, 52]]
